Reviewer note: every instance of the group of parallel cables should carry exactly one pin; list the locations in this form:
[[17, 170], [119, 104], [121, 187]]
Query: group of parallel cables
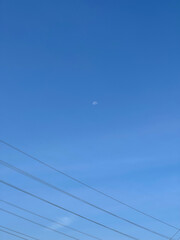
[[22, 235]]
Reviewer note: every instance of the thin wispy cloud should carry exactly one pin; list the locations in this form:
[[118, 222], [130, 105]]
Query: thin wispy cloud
[[61, 222]]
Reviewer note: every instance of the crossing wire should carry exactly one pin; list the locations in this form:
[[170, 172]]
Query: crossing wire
[[174, 234], [24, 173], [48, 219], [67, 210], [87, 185]]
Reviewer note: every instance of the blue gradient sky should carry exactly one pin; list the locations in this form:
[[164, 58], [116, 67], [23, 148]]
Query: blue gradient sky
[[57, 57]]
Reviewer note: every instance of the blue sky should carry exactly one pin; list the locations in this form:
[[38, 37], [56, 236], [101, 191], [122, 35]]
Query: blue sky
[[57, 58]]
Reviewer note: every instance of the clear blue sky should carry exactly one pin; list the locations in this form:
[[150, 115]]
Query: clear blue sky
[[57, 57]]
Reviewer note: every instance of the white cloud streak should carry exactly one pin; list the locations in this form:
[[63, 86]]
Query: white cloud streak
[[66, 221]]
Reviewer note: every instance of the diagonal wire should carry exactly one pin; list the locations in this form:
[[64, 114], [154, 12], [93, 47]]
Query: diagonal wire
[[23, 234], [12, 234], [86, 185], [38, 224], [174, 234], [67, 210], [48, 219], [77, 198]]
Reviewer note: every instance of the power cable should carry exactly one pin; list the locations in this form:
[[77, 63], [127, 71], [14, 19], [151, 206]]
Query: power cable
[[77, 198], [12, 234], [87, 185], [67, 210], [23, 234], [48, 219], [174, 234], [38, 224]]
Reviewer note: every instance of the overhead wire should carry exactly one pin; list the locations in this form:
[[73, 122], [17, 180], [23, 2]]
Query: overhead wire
[[48, 219], [24, 173], [39, 224], [13, 234], [67, 210], [174, 234], [15, 231], [87, 185]]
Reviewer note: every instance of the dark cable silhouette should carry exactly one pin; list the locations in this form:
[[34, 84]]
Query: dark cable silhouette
[[86, 185], [23, 234], [12, 234], [67, 210], [38, 224], [174, 234], [48, 219], [77, 198]]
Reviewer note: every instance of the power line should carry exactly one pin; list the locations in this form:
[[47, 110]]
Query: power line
[[67, 210], [38, 224], [12, 234], [48, 219], [23, 234], [175, 234], [87, 185], [77, 198]]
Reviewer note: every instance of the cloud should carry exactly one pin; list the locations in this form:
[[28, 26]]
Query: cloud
[[94, 103], [61, 222]]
